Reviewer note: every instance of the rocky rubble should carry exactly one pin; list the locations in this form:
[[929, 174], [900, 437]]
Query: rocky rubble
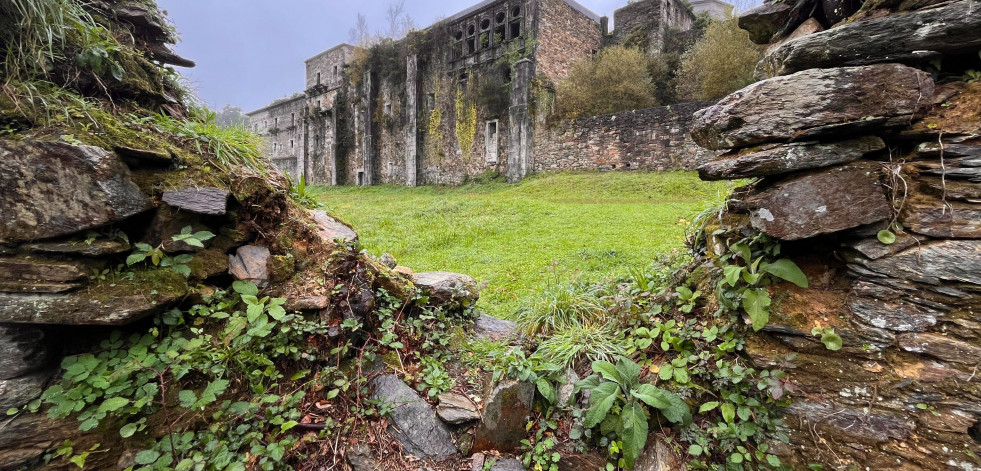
[[855, 134]]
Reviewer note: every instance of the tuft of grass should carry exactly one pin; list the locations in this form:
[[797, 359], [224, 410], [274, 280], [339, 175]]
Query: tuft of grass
[[579, 344], [229, 145], [513, 236], [562, 304]]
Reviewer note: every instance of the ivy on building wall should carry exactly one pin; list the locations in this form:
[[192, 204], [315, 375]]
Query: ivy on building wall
[[466, 123], [434, 129]]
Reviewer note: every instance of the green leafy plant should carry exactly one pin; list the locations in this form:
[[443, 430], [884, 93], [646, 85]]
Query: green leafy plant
[[829, 338], [301, 194], [177, 263], [619, 404], [433, 379], [750, 278]]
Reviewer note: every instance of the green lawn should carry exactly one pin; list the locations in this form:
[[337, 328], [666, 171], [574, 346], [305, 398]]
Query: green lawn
[[513, 236]]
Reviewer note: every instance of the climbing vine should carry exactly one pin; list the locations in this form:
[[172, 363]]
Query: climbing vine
[[434, 129], [466, 123]]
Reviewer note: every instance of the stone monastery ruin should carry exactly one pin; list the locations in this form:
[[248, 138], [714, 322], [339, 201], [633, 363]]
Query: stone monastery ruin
[[471, 94]]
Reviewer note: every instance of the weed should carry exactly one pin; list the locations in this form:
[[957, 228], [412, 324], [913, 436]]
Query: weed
[[563, 304]]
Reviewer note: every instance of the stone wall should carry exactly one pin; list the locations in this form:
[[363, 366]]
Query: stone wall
[[566, 35], [870, 178], [650, 139]]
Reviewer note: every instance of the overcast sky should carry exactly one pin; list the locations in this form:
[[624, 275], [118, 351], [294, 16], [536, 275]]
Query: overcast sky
[[251, 52]]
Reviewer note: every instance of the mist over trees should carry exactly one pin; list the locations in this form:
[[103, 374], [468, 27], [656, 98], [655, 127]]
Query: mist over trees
[[232, 116]]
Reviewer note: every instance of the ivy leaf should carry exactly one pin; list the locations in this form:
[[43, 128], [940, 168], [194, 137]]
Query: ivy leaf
[[708, 406], [757, 303], [135, 257], [786, 269], [147, 457], [633, 421], [695, 450], [113, 404], [601, 398], [128, 430], [288, 425]]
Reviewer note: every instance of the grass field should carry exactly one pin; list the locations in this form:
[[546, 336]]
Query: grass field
[[513, 237]]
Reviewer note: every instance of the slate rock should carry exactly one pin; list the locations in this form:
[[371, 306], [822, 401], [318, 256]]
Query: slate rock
[[852, 425], [946, 30], [507, 464], [953, 220], [506, 411], [874, 249], [147, 20], [40, 270], [492, 328], [940, 347], [25, 438], [447, 289], [820, 202], [119, 305], [19, 391], [811, 104], [895, 316], [330, 229], [937, 263], [52, 189], [164, 55], [23, 349], [250, 263], [20, 286], [97, 248], [413, 421], [144, 156], [774, 159], [764, 21], [456, 409], [388, 260], [308, 303], [836, 11], [208, 201], [360, 457]]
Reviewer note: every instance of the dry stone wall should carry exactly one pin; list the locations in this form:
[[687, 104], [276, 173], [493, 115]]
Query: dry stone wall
[[650, 139], [855, 133]]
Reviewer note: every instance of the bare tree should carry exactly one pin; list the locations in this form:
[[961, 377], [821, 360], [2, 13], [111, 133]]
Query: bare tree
[[399, 21], [359, 34]]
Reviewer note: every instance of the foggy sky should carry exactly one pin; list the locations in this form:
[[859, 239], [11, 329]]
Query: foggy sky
[[251, 52]]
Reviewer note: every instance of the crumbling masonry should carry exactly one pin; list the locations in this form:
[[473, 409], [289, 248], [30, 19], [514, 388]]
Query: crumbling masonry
[[469, 95]]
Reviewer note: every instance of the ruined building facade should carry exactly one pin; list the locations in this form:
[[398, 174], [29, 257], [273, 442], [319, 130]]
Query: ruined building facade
[[455, 100]]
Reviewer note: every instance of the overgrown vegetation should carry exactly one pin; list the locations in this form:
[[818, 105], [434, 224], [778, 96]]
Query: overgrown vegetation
[[514, 237], [720, 63], [616, 79]]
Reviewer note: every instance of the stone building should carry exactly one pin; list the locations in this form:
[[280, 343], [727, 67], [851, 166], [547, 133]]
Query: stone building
[[452, 101]]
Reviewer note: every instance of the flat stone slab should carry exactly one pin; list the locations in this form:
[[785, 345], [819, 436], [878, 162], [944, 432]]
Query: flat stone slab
[[764, 21], [492, 328], [955, 220], [208, 201], [330, 229], [810, 104], [937, 263], [308, 303], [940, 347], [39, 270], [775, 159], [447, 288], [820, 202], [53, 189], [97, 248], [157, 158], [456, 409], [102, 305], [17, 392], [949, 29], [414, 423]]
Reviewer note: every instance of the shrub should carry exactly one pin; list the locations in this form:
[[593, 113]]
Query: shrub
[[718, 64], [614, 80]]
